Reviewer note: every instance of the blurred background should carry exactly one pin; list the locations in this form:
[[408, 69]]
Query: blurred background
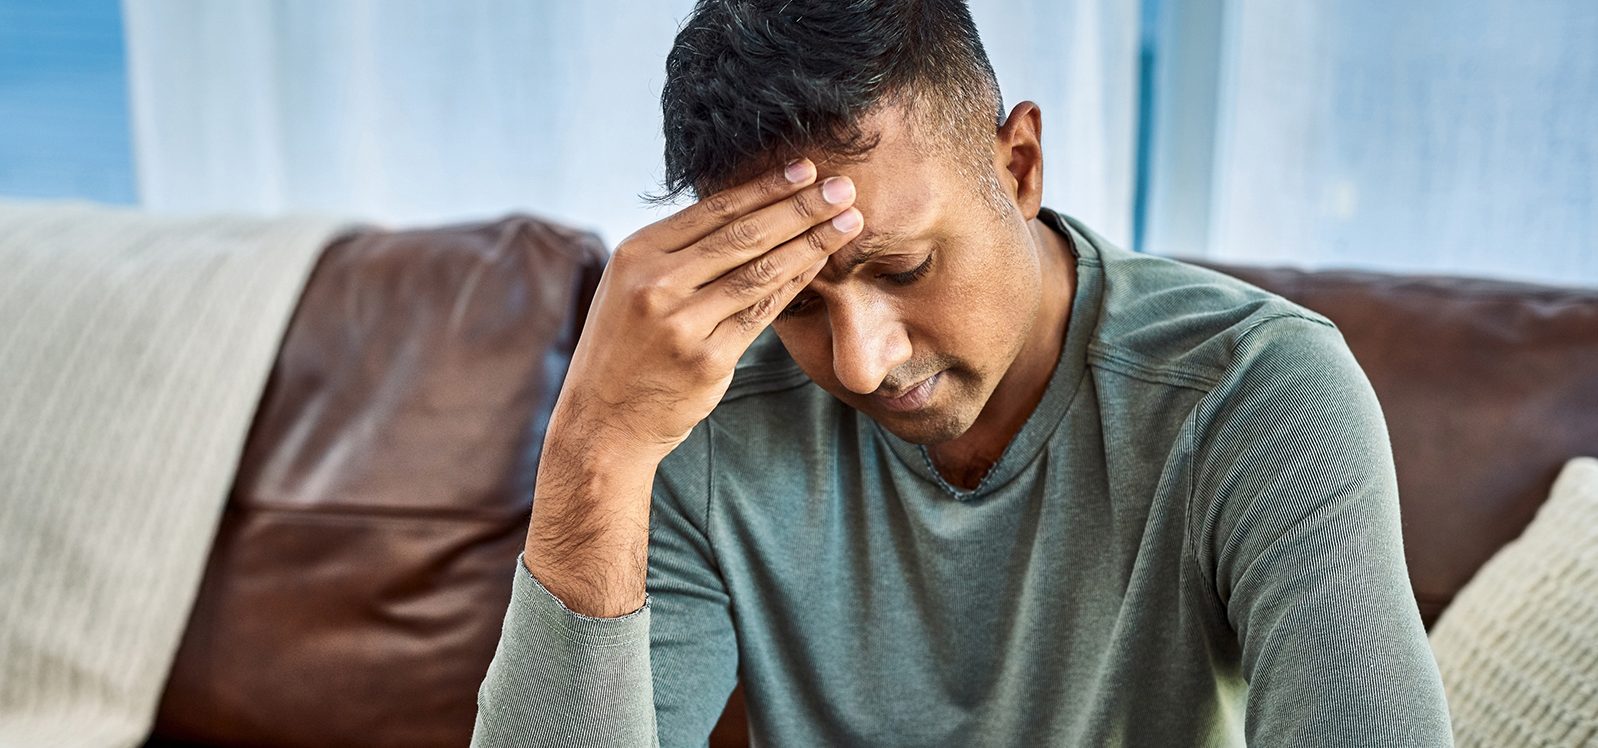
[[1447, 136], [315, 451]]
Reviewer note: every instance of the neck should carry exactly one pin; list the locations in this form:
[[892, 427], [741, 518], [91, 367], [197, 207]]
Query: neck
[[964, 460]]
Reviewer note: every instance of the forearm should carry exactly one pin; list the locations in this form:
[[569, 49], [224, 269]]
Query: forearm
[[588, 541]]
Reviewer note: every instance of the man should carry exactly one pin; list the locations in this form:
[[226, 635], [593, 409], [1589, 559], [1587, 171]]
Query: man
[[994, 481]]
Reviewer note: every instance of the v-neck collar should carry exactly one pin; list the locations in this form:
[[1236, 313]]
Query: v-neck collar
[[1067, 377]]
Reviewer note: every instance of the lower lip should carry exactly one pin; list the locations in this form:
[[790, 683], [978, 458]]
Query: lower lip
[[913, 399]]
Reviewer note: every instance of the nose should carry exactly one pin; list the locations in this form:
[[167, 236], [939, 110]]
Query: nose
[[866, 345]]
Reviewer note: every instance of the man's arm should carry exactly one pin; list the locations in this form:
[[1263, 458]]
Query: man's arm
[[666, 668], [1294, 476], [680, 302]]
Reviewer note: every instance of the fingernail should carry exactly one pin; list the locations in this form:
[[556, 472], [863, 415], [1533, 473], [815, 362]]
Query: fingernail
[[837, 189], [846, 221], [797, 170]]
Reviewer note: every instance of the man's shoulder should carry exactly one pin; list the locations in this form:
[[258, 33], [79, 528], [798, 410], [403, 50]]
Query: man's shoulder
[[762, 425], [1172, 321], [765, 369], [771, 398]]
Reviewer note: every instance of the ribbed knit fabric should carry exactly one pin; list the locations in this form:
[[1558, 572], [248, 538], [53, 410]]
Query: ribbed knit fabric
[[1193, 540], [1518, 647], [133, 351]]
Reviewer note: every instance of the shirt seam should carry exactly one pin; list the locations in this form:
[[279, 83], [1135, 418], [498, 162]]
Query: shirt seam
[[757, 382], [710, 493], [1140, 368], [949, 488], [1187, 510], [1192, 441], [1131, 367]]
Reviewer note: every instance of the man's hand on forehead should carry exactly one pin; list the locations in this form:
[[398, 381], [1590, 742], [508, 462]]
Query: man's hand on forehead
[[679, 303]]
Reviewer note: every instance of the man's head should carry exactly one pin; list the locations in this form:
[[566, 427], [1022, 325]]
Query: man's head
[[754, 83], [897, 95]]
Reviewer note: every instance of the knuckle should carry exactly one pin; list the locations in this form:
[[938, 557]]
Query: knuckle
[[627, 248], [739, 285], [720, 207], [743, 235], [679, 340], [753, 277], [816, 242], [756, 314], [703, 363], [806, 206], [694, 359], [651, 297], [763, 270]]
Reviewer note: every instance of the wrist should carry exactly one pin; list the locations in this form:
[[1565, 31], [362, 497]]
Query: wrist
[[583, 424]]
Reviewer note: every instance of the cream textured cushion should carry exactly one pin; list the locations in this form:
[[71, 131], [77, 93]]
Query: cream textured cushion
[[1518, 648]]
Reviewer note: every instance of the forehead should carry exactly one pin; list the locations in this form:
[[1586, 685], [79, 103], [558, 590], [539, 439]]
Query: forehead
[[898, 182]]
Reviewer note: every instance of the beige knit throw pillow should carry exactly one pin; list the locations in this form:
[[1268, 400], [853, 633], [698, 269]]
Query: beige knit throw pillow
[[1518, 648]]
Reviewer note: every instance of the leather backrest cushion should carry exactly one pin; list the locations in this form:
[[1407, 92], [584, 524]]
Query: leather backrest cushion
[[358, 581], [1488, 388]]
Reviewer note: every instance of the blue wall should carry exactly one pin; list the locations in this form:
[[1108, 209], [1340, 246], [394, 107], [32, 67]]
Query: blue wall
[[63, 101]]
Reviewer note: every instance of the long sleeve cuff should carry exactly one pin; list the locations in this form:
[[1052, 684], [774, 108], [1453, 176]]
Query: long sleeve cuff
[[559, 677]]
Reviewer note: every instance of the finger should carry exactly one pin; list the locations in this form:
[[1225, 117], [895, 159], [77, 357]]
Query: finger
[[746, 324], [714, 211], [760, 231], [767, 275]]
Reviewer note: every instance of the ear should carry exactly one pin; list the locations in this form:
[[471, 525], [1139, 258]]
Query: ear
[[1018, 157]]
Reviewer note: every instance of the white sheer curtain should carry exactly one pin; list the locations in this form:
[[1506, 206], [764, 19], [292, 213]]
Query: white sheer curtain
[[1454, 136], [412, 112], [436, 110], [1078, 60]]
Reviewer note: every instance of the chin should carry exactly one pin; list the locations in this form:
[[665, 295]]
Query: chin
[[926, 428]]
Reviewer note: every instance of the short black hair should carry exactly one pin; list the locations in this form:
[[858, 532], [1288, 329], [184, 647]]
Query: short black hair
[[753, 83]]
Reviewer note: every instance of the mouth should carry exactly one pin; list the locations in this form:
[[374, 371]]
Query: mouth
[[914, 398]]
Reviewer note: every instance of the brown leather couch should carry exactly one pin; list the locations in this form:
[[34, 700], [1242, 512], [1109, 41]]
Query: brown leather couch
[[356, 588]]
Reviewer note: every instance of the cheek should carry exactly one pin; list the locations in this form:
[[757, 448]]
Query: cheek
[[985, 311], [809, 346]]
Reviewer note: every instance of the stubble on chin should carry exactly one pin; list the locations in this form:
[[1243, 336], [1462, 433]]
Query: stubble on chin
[[930, 427]]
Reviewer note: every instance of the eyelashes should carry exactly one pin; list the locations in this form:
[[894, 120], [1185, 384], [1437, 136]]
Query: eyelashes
[[911, 276], [802, 306]]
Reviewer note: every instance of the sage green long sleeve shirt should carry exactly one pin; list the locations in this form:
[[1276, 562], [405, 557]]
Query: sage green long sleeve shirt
[[1193, 540]]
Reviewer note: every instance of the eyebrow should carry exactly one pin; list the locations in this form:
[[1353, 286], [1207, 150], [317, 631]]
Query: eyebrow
[[870, 244]]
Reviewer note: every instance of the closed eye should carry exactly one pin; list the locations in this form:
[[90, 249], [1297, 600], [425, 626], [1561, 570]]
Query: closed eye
[[803, 305], [910, 276]]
